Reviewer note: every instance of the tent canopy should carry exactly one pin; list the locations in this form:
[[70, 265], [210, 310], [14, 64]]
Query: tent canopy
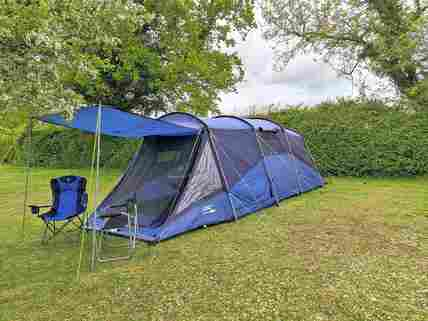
[[115, 122], [118, 123]]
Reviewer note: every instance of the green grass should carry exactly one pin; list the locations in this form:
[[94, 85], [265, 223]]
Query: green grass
[[354, 250]]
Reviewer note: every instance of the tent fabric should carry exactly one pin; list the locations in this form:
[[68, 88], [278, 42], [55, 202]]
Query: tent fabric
[[118, 123], [183, 119], [191, 172], [223, 122], [264, 124], [204, 180], [154, 178], [238, 152], [227, 123]]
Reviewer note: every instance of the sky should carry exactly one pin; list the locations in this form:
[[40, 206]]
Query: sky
[[303, 81]]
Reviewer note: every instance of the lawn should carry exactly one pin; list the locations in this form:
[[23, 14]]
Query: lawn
[[354, 250]]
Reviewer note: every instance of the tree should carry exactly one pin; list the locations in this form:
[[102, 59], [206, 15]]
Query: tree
[[145, 56], [388, 37], [178, 61], [48, 46]]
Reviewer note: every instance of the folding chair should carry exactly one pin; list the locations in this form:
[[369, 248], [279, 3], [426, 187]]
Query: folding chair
[[69, 201], [121, 216]]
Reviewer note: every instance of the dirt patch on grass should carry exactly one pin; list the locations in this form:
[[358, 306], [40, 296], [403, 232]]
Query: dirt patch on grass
[[339, 237], [368, 224]]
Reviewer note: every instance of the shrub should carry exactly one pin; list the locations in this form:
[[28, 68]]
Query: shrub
[[346, 139], [65, 148], [7, 148], [362, 139]]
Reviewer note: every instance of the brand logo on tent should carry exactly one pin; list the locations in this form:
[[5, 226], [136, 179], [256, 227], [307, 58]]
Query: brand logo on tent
[[208, 210]]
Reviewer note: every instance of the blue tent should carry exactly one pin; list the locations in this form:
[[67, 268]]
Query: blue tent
[[191, 172]]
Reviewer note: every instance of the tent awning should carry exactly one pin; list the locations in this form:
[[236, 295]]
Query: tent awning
[[118, 123]]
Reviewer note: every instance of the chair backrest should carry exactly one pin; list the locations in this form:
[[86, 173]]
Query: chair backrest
[[69, 196]]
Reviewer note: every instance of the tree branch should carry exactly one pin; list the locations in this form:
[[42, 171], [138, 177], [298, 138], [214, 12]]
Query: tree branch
[[349, 73], [313, 34], [418, 5], [419, 9]]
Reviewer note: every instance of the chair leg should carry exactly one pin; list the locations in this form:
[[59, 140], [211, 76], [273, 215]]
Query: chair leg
[[130, 234], [134, 245], [49, 228], [45, 233], [131, 243], [99, 245], [54, 231], [79, 224]]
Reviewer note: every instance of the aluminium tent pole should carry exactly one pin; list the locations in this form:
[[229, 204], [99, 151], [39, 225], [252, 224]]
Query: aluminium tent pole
[[28, 151], [97, 176], [313, 161], [294, 160], [240, 176], [221, 172], [86, 218], [189, 166], [274, 191]]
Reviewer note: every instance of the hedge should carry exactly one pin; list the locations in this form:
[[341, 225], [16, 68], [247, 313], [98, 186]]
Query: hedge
[[346, 139], [362, 139], [65, 148]]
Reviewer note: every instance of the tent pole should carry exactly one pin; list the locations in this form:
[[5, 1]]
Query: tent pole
[[86, 218], [274, 191], [222, 175], [97, 175], [189, 167], [313, 162], [295, 161], [28, 147], [260, 151]]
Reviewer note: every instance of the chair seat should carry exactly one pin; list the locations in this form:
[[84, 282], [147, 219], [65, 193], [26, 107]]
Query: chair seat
[[114, 220], [52, 216]]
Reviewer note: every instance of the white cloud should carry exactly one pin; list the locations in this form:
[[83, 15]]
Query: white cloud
[[304, 81]]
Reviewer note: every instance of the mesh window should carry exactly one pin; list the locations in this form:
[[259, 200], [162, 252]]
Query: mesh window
[[271, 143], [205, 179], [154, 177], [238, 152], [298, 148]]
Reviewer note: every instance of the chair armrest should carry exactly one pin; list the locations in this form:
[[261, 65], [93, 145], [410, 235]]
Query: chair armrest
[[128, 205], [109, 215], [124, 203], [119, 205], [35, 209]]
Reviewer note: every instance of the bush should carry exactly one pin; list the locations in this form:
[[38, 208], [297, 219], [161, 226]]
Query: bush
[[362, 139], [346, 139], [66, 148]]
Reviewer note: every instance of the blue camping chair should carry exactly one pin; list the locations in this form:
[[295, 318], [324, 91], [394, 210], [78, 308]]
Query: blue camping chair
[[69, 201]]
